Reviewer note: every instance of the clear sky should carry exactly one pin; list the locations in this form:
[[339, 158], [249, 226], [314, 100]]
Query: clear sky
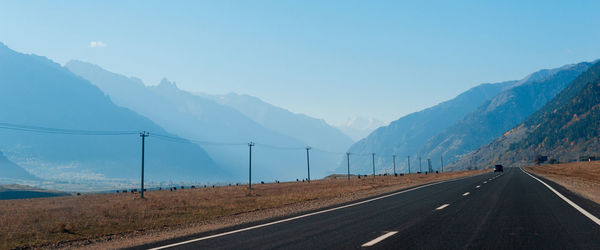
[[327, 59]]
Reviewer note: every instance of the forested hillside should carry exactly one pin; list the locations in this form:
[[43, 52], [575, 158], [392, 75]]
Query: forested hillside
[[565, 129]]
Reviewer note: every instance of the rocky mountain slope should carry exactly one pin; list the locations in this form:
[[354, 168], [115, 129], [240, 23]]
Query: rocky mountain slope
[[500, 114], [565, 129]]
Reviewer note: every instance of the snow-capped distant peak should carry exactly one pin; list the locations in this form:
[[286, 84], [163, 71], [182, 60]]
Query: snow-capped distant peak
[[363, 123], [359, 127]]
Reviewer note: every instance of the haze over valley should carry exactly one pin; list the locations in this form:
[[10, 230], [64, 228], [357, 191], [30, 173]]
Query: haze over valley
[[89, 131], [299, 125]]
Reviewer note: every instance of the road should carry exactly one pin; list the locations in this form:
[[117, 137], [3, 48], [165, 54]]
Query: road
[[509, 210]]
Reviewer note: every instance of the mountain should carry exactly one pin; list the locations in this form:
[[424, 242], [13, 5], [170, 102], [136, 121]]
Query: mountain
[[10, 170], [565, 129], [35, 91], [311, 131], [500, 114], [222, 130], [359, 127], [405, 136]]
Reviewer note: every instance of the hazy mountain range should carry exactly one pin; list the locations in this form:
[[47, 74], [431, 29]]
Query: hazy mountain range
[[204, 137], [223, 125], [187, 131], [311, 131], [35, 91], [565, 129]]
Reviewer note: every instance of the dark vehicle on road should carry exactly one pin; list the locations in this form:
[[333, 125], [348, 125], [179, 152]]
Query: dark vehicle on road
[[498, 168]]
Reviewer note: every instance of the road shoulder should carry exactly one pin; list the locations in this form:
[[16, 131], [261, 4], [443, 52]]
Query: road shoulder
[[258, 217], [585, 203]]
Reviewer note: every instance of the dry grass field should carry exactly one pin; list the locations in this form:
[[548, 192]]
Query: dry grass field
[[582, 178], [61, 221]]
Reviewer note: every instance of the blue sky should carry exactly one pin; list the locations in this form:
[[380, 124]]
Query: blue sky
[[327, 59]]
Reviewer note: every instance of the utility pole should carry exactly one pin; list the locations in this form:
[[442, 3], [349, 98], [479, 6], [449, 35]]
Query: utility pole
[[429, 167], [408, 164], [394, 156], [420, 169], [442, 160], [143, 134], [308, 162], [348, 158], [250, 145], [373, 154]]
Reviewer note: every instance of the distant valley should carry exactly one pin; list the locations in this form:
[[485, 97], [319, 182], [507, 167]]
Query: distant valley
[[218, 121], [194, 138], [203, 138]]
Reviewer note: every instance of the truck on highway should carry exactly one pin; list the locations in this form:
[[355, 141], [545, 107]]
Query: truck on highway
[[498, 168]]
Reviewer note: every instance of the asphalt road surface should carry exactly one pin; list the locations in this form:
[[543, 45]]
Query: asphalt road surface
[[509, 210]]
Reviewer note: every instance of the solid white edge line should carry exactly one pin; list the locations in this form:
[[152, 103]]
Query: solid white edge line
[[378, 239], [581, 210], [467, 193], [305, 215], [442, 207]]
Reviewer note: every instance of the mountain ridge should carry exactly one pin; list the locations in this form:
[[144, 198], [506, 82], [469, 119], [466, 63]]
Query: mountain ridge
[[39, 92], [194, 116], [565, 129], [503, 112], [314, 132]]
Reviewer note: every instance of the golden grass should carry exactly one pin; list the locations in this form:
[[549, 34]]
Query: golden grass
[[582, 178], [46, 221]]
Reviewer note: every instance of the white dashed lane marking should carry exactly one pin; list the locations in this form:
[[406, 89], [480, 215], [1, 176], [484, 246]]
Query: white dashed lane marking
[[442, 207], [467, 193], [299, 216], [378, 239]]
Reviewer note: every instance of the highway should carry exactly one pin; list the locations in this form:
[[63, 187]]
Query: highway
[[510, 210]]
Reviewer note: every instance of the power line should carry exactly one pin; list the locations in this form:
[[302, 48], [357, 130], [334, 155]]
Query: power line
[[177, 139], [328, 152], [48, 130], [279, 147], [200, 142]]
